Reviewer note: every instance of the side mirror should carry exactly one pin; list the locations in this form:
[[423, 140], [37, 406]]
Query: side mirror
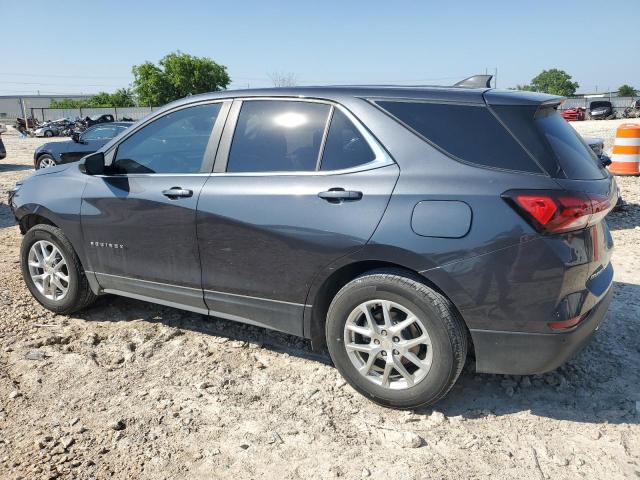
[[94, 164], [605, 160], [75, 137]]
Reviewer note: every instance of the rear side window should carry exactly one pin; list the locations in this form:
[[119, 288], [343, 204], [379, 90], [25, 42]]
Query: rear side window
[[468, 132], [344, 147], [278, 136]]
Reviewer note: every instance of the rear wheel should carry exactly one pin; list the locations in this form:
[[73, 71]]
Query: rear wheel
[[52, 270], [45, 161], [395, 340], [48, 133]]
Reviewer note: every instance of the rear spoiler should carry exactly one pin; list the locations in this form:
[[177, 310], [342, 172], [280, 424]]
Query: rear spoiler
[[476, 81]]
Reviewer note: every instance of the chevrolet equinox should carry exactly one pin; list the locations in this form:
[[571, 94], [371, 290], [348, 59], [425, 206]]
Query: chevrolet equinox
[[400, 227]]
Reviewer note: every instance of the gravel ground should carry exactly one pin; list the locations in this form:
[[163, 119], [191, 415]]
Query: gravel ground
[[129, 389]]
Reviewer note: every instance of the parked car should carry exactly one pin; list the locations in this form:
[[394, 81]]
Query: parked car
[[96, 119], [576, 114], [400, 227], [597, 145], [601, 110], [53, 128], [81, 144], [47, 131], [3, 151], [632, 111]]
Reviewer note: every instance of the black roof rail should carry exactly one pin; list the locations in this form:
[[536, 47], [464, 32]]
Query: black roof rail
[[476, 81]]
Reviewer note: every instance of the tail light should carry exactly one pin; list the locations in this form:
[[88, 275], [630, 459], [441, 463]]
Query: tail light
[[558, 211]]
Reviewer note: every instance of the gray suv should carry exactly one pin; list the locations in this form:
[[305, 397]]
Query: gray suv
[[402, 228]]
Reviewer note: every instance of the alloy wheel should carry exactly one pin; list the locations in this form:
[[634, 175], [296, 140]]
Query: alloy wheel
[[46, 163], [48, 270], [388, 344]]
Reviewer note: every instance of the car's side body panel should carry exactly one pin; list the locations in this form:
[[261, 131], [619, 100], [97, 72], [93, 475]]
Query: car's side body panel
[[135, 236], [264, 239]]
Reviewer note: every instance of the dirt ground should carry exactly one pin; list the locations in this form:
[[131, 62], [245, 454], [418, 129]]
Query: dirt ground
[[129, 389]]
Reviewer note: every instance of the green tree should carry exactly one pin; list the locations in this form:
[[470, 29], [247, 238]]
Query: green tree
[[555, 82], [120, 98], [177, 75], [68, 103], [627, 91]]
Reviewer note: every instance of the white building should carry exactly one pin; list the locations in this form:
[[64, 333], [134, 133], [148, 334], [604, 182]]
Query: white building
[[10, 107]]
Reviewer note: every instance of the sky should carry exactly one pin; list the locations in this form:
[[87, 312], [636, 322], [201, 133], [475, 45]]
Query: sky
[[90, 46]]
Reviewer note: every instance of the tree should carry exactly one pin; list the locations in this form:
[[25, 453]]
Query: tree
[[627, 91], [555, 82], [123, 97], [120, 98], [177, 75], [281, 79]]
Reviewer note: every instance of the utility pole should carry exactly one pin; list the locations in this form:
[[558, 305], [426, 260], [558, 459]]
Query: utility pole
[[24, 114]]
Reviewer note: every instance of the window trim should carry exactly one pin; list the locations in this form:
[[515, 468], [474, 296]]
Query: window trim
[[209, 156], [381, 159]]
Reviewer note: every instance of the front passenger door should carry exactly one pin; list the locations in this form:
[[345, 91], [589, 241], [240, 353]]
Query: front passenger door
[[139, 219]]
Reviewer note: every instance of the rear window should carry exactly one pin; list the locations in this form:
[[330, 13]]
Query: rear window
[[552, 141], [572, 153], [467, 132]]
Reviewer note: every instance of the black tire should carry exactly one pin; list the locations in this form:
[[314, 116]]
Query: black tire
[[42, 157], [79, 294], [443, 324], [48, 133]]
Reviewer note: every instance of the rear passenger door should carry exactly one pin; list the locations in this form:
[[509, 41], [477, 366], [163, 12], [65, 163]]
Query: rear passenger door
[[296, 184]]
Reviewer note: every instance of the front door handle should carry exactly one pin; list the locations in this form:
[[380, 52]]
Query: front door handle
[[337, 195], [177, 192]]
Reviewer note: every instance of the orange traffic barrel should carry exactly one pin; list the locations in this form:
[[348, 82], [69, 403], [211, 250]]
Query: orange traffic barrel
[[626, 150]]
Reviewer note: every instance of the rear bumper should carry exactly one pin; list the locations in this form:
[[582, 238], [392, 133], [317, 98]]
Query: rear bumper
[[517, 353]]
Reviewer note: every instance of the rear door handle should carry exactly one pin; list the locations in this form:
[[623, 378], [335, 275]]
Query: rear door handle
[[177, 192], [337, 195]]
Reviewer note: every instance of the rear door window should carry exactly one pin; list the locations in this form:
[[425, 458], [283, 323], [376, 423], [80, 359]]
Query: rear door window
[[469, 133], [345, 147], [278, 136]]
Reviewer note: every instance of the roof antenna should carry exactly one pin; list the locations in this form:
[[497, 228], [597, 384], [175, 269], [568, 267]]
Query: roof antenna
[[476, 81]]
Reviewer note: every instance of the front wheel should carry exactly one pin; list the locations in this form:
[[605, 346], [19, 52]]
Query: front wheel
[[45, 161], [52, 270], [395, 340]]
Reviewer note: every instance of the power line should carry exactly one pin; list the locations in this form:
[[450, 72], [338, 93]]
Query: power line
[[59, 76], [62, 84]]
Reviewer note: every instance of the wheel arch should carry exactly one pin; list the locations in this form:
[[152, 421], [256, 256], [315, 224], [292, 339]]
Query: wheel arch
[[315, 317], [30, 220]]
